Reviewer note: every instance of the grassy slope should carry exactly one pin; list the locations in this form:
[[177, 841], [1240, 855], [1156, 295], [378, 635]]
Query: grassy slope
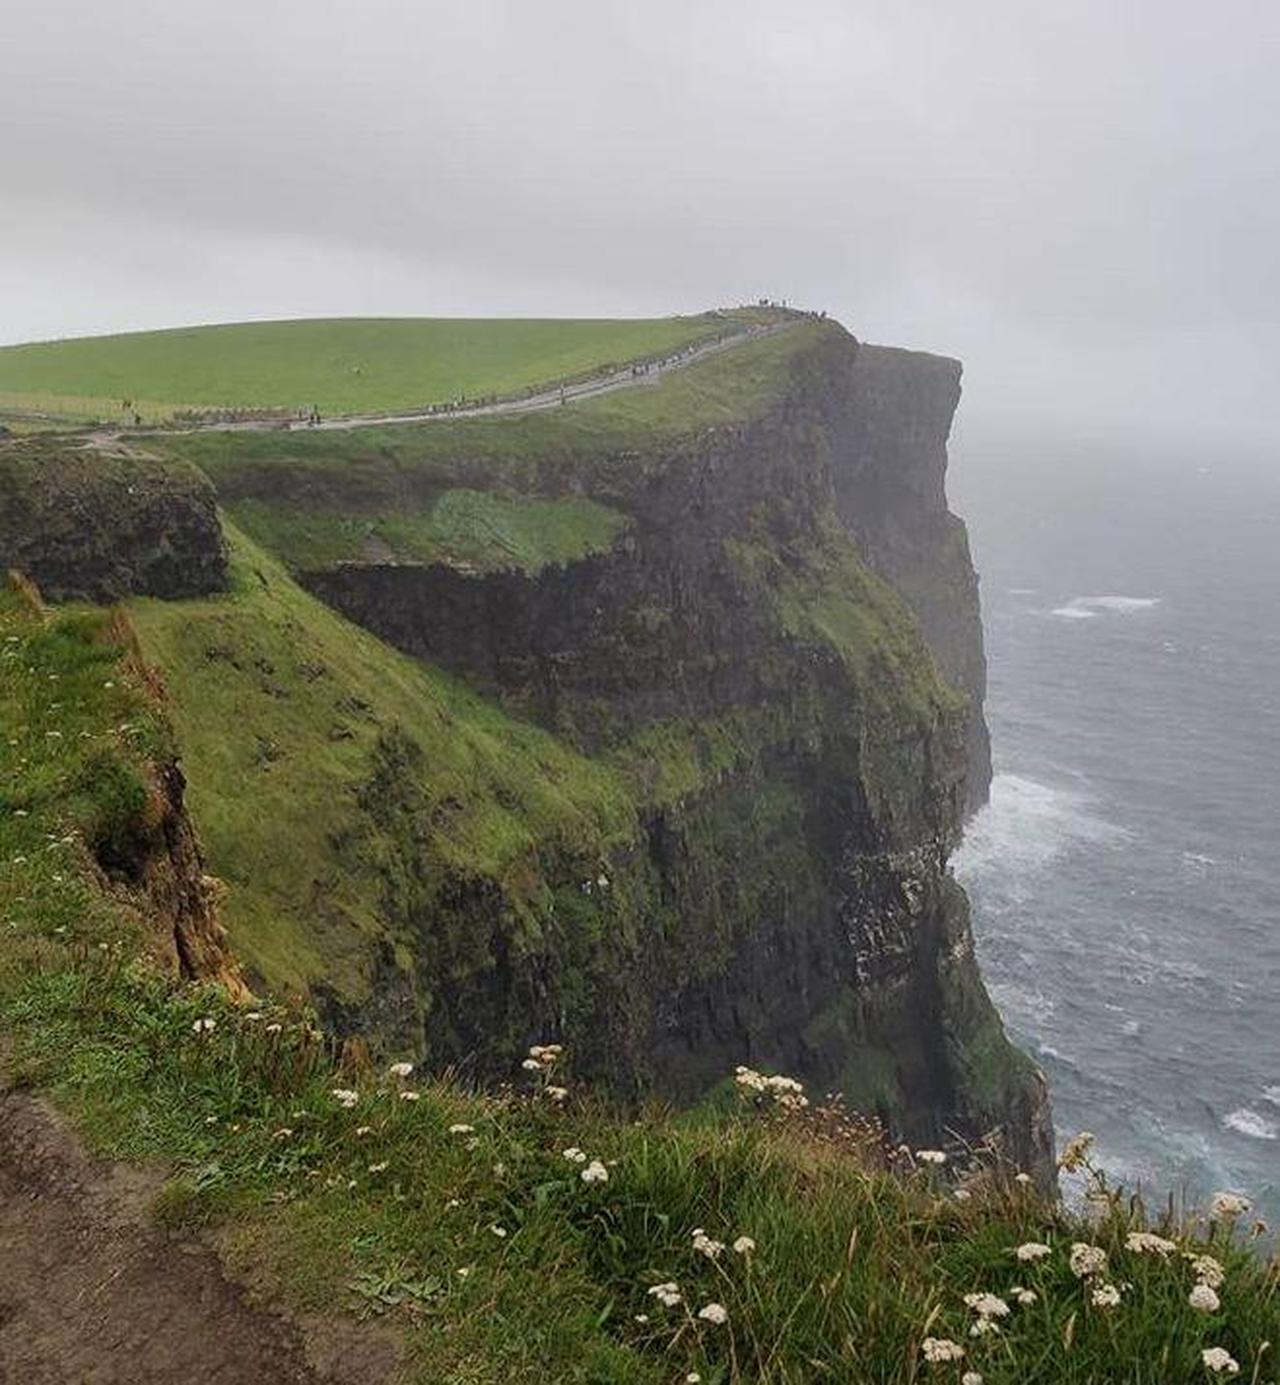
[[343, 365], [277, 702], [854, 1265], [316, 498]]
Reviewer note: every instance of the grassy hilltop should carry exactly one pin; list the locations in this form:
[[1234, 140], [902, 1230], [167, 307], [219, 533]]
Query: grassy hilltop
[[343, 365]]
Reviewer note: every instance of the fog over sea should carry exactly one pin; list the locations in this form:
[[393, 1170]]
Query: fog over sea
[[1126, 876]]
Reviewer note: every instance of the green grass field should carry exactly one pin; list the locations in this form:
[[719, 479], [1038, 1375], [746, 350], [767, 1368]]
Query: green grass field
[[342, 365]]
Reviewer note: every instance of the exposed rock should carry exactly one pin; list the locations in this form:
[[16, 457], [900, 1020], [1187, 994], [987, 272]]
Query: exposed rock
[[889, 461], [97, 525]]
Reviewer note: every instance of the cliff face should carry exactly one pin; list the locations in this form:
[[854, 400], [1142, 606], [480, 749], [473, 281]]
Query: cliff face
[[98, 525], [889, 468], [801, 770]]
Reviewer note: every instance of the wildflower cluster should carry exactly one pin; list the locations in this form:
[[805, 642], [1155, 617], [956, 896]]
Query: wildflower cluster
[[541, 1062], [784, 1092]]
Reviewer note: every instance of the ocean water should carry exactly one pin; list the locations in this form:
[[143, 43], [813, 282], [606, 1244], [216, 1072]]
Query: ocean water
[[1125, 877]]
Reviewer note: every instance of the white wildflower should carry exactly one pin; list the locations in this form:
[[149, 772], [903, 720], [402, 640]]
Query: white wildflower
[[363, 1130], [1105, 1296], [1204, 1298], [1207, 1270], [252, 1016], [499, 1231], [400, 1069], [962, 1194], [1087, 1260], [667, 1294], [744, 1245], [1023, 1178], [379, 1168], [595, 1172], [344, 1096], [410, 1095], [971, 1378], [531, 1065], [640, 1318], [1025, 1297], [1219, 1361], [274, 1028], [1032, 1250], [461, 1128], [937, 1349], [715, 1313], [987, 1305], [931, 1156], [1148, 1243], [983, 1327], [1227, 1205], [574, 1155], [692, 1378], [704, 1245], [205, 1025], [555, 1093]]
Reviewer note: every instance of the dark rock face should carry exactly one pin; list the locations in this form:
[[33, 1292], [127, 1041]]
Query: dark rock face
[[98, 526], [790, 905], [889, 469]]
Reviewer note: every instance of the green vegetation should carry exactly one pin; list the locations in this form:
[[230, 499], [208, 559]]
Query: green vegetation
[[283, 710], [322, 498], [344, 365], [457, 1216], [476, 530]]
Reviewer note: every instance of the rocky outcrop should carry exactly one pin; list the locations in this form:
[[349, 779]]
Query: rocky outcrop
[[91, 524], [789, 903]]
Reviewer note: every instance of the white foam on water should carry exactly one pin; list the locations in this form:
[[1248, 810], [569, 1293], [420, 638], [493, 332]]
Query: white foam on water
[[1073, 612], [1024, 826], [1250, 1123], [1087, 607], [1271, 1095]]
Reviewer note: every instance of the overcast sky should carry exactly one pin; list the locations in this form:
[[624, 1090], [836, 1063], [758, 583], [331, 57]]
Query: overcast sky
[[1080, 198]]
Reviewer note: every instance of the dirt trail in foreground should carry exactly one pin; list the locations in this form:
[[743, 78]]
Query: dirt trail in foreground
[[92, 1293]]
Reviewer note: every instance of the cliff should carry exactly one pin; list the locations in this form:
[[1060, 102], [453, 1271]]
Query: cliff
[[93, 794], [96, 523], [796, 768], [673, 755], [890, 445]]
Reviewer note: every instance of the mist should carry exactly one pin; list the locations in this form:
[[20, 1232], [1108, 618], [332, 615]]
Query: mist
[[1079, 201]]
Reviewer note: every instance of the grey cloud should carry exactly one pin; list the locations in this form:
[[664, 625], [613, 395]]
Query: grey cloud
[[1080, 200]]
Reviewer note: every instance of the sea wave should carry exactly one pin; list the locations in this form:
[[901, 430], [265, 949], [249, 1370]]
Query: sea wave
[[1024, 826], [1248, 1122], [1087, 607]]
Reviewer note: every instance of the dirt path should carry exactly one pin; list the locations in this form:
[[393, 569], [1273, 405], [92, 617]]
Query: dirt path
[[92, 1294]]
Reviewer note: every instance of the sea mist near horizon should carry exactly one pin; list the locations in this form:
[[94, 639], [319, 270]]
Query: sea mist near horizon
[[1125, 877]]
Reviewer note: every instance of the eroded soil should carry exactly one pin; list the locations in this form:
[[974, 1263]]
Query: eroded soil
[[93, 1293]]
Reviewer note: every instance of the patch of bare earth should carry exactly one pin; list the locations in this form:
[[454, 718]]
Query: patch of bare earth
[[92, 1293]]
